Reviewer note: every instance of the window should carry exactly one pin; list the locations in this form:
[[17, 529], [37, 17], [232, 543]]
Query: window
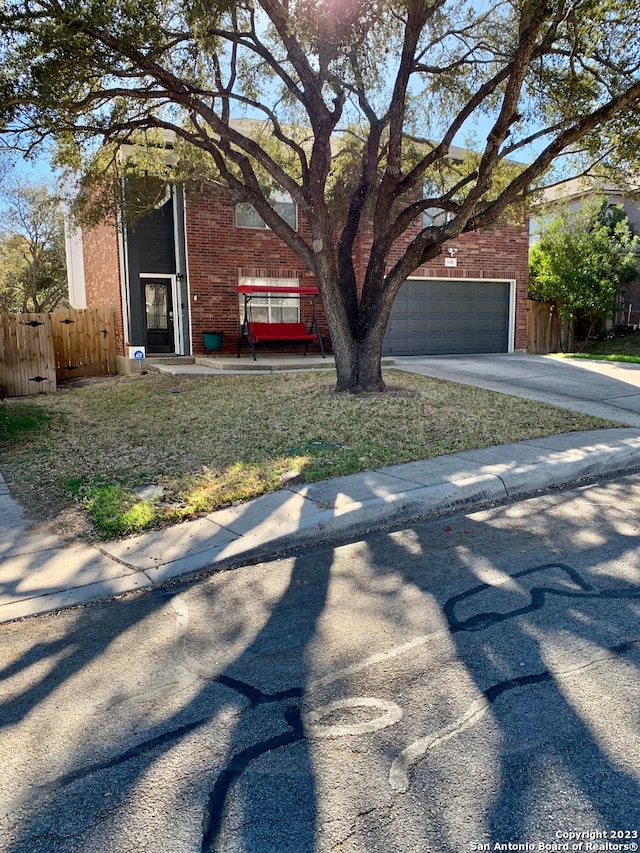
[[435, 216], [248, 217], [269, 307], [157, 305]]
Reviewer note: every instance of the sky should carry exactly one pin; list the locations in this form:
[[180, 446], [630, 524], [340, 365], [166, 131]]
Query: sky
[[36, 170]]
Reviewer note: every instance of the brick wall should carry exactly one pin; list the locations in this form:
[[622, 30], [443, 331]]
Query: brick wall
[[219, 254], [102, 274], [499, 252]]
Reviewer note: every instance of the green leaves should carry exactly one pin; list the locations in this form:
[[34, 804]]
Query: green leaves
[[583, 260], [351, 107], [32, 255]]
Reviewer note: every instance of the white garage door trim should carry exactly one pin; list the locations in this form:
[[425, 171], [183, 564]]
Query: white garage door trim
[[512, 298]]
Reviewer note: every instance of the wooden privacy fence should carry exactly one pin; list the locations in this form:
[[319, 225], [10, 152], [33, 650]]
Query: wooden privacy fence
[[546, 332], [84, 342], [27, 359], [38, 350]]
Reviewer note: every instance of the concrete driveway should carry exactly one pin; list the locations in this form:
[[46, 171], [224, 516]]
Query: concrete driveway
[[605, 389]]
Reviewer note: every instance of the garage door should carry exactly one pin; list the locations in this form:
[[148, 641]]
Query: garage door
[[438, 317]]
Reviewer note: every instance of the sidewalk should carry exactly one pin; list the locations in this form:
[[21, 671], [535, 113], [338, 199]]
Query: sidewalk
[[38, 574]]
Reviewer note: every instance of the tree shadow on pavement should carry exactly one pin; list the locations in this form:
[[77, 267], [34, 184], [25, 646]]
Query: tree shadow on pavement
[[240, 808], [562, 755], [541, 640], [522, 609], [278, 806]]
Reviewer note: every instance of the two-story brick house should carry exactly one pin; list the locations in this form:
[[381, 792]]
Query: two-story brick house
[[174, 275]]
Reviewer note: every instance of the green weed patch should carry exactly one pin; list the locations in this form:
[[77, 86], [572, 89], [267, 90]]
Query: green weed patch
[[114, 511], [18, 419], [613, 356]]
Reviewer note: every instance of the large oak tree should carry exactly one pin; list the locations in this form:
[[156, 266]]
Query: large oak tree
[[361, 101]]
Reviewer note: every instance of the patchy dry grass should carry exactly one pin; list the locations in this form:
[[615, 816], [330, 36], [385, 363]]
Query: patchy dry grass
[[212, 441]]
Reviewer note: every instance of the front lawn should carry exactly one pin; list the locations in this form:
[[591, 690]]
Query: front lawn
[[73, 458], [625, 348]]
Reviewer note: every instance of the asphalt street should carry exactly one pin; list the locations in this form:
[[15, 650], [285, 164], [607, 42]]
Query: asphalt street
[[454, 685]]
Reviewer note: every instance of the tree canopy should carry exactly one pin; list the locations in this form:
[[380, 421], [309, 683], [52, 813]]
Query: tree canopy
[[33, 276], [583, 261], [360, 102]]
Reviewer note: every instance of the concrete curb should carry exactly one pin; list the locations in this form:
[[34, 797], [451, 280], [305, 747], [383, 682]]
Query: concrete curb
[[39, 574]]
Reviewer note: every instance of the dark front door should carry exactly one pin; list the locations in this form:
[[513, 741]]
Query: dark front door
[[159, 315]]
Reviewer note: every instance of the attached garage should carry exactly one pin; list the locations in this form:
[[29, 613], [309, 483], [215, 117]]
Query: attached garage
[[438, 317]]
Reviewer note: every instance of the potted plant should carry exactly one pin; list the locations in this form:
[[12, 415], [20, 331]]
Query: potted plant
[[212, 341]]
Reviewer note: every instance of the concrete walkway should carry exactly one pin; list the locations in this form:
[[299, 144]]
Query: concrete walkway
[[38, 574]]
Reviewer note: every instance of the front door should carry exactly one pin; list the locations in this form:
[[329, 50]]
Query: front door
[[159, 315]]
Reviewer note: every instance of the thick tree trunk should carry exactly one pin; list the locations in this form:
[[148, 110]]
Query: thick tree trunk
[[358, 362], [359, 370], [356, 326]]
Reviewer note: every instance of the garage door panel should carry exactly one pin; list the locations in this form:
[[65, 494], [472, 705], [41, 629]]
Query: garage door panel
[[431, 317]]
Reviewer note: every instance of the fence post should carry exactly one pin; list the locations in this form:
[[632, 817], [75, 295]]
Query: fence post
[[543, 327], [85, 342]]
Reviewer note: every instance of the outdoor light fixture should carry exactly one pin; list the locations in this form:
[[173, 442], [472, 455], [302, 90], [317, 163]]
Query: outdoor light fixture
[[452, 260]]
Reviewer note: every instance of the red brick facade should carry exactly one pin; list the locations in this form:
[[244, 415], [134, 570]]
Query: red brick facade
[[218, 254], [500, 252], [497, 253], [101, 257]]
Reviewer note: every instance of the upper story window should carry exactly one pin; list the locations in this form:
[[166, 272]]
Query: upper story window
[[436, 216], [248, 217]]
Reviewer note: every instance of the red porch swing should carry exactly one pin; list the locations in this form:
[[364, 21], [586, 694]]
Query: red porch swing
[[278, 333]]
